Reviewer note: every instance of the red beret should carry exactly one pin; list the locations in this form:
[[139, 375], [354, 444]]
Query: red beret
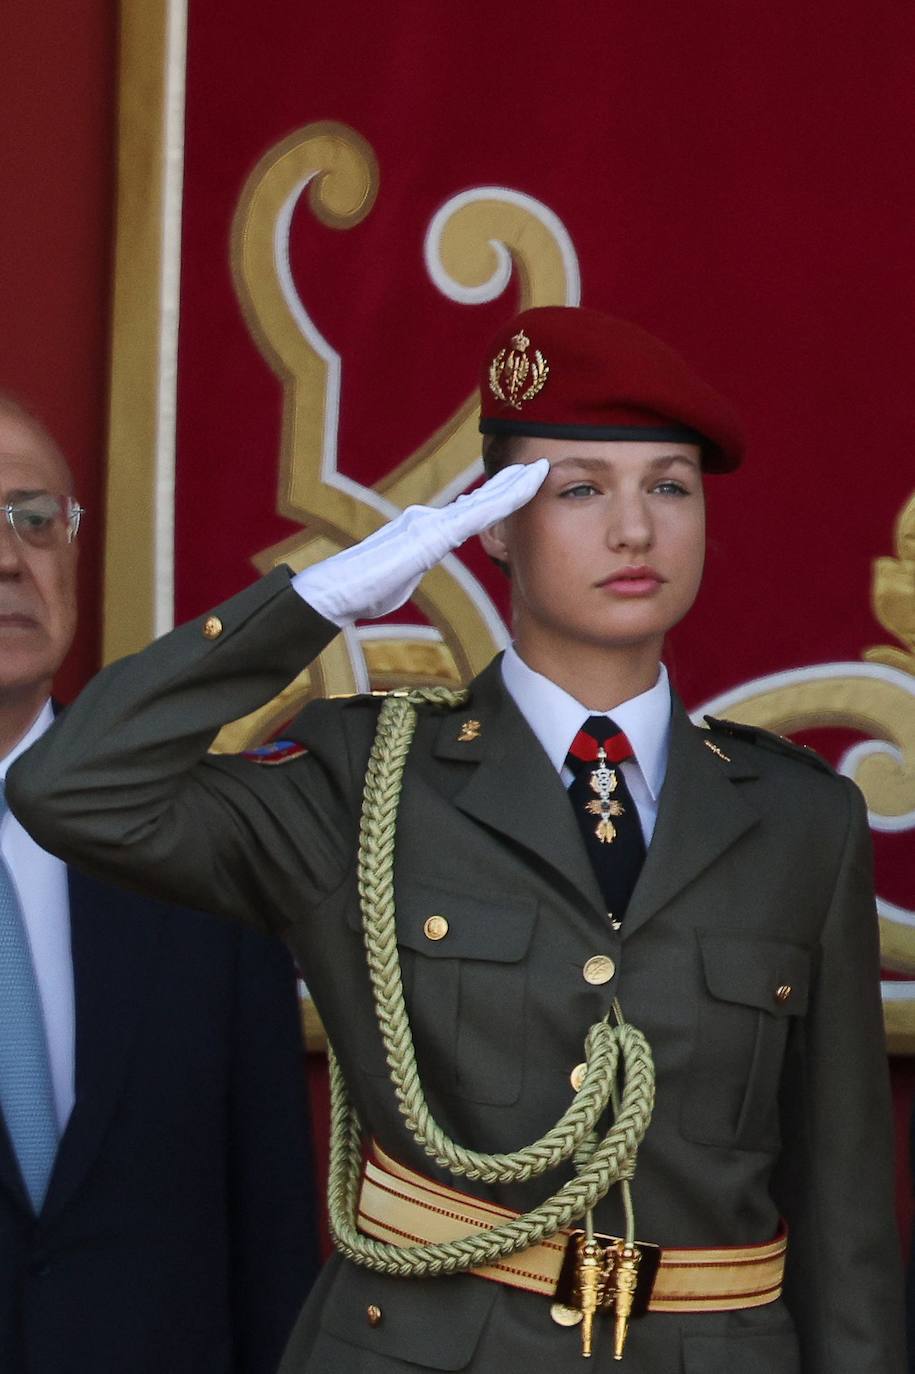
[[565, 372]]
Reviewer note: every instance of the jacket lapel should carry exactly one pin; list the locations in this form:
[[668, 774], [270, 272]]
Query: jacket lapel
[[113, 940], [701, 814], [512, 788]]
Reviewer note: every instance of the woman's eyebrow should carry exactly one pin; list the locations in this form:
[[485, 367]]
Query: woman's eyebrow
[[664, 460], [581, 462]]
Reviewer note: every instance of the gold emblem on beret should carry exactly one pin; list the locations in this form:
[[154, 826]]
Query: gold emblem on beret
[[515, 377]]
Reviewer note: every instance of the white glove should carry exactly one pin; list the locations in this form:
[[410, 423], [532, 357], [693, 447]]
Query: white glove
[[382, 572]]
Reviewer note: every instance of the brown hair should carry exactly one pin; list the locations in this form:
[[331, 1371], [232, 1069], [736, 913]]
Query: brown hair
[[497, 452]]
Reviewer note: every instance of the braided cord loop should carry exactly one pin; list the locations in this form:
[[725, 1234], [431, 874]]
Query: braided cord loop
[[599, 1163]]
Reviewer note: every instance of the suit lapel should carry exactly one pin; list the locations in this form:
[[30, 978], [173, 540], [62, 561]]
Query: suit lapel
[[113, 939], [512, 788], [700, 816]]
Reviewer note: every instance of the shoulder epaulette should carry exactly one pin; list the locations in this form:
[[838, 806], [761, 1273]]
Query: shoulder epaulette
[[767, 739], [275, 752], [441, 697]]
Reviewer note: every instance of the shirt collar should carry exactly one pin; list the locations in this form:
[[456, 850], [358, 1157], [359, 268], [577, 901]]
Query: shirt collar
[[42, 722], [556, 717]]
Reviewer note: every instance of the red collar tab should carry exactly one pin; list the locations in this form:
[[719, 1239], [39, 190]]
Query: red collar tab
[[617, 747]]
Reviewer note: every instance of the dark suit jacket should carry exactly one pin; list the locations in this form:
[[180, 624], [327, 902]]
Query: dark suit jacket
[[178, 1233], [757, 877]]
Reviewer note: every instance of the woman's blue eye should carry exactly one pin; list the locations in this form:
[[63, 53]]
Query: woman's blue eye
[[671, 488], [580, 489]]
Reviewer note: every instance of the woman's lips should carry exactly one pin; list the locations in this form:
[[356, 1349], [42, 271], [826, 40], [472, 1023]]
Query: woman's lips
[[16, 620], [634, 581]]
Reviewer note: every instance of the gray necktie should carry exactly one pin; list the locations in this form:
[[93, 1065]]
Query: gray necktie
[[26, 1093]]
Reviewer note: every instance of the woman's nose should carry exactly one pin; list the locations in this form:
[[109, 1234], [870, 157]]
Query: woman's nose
[[629, 523]]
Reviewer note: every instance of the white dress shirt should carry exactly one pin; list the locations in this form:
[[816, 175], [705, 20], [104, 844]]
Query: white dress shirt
[[41, 882], [556, 718]]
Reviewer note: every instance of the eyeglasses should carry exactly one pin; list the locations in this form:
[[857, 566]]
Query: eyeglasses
[[42, 520]]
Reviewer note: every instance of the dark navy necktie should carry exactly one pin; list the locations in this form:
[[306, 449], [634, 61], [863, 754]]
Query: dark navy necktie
[[605, 811]]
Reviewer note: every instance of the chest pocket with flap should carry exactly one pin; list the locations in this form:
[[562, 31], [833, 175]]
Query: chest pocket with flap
[[463, 960], [753, 991]]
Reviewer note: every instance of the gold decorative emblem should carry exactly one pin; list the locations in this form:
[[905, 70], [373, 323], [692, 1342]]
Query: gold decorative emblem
[[893, 596], [604, 781], [875, 698], [470, 730], [602, 1277], [710, 744], [513, 376]]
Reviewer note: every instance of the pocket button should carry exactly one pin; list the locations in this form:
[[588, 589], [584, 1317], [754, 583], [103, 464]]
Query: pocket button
[[577, 1076], [600, 968]]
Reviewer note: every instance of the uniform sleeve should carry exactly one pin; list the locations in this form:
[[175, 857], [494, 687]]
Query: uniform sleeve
[[273, 1223], [835, 1182], [122, 784]]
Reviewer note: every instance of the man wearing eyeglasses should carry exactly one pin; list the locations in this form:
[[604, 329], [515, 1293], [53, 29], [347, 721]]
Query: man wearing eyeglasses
[[155, 1172]]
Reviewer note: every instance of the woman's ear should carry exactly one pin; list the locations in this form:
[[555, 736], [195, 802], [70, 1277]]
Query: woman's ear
[[493, 541]]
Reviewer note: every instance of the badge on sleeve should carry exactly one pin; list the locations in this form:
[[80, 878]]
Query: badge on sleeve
[[275, 752]]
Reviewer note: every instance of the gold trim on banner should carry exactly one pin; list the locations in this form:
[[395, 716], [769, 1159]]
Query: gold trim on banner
[[897, 950], [893, 595], [899, 1019], [338, 170], [313, 1032], [130, 555], [876, 707], [468, 257], [405, 662], [877, 699]]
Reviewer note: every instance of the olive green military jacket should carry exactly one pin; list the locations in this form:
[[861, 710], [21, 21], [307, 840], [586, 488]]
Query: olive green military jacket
[[757, 878]]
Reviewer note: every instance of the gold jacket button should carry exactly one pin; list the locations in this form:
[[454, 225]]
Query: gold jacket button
[[565, 1316], [783, 993], [577, 1076], [600, 968], [373, 1313], [212, 627], [435, 927]]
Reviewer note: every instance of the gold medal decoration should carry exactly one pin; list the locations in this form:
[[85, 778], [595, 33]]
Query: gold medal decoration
[[511, 368], [604, 782]]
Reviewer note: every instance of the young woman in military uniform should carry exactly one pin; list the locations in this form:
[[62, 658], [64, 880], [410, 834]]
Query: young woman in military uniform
[[597, 981]]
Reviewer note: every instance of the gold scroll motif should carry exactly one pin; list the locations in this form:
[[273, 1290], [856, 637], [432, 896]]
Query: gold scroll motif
[[339, 171], [877, 698], [893, 595]]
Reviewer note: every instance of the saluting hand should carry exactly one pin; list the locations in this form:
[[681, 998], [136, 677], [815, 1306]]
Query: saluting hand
[[382, 572]]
